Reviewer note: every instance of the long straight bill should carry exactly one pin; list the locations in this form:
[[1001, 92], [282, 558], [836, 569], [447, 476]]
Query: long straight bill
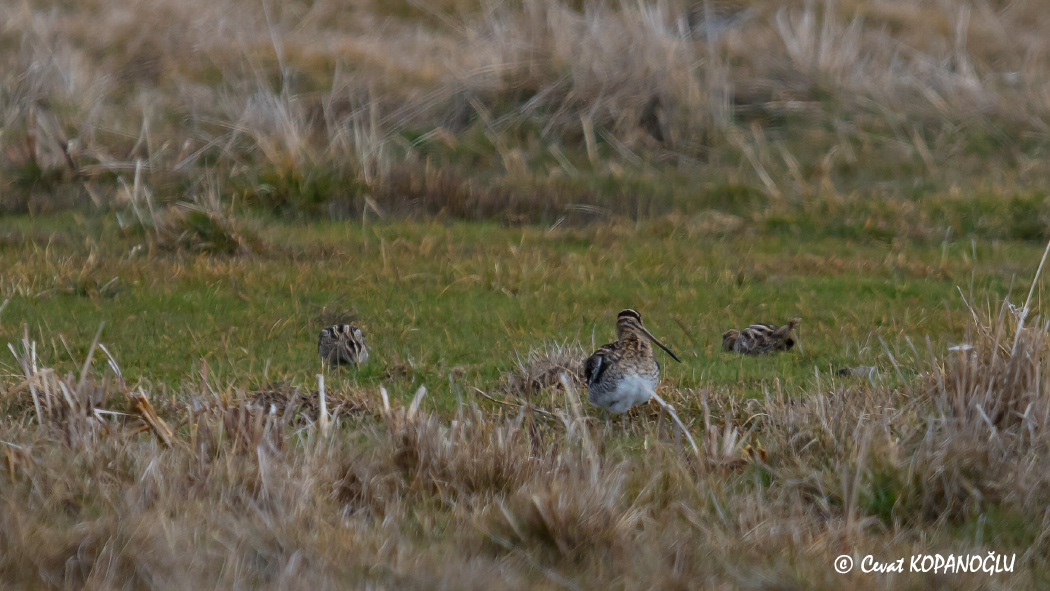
[[661, 345]]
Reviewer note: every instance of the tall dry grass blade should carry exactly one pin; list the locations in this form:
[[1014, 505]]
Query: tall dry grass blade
[[16, 458], [148, 414], [386, 399], [45, 383], [855, 486], [31, 377], [674, 415], [1028, 300], [896, 366], [575, 421], [572, 403], [112, 362], [90, 356], [934, 365], [413, 408], [924, 151], [323, 416], [278, 47], [370, 204], [749, 153], [588, 135], [70, 401]]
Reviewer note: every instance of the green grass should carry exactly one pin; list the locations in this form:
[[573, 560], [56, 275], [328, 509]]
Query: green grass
[[462, 299]]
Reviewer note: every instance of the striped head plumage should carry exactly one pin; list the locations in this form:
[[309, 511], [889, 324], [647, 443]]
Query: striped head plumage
[[760, 339], [342, 344], [624, 373]]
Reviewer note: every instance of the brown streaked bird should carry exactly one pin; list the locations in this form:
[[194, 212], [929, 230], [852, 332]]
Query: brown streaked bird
[[624, 373], [342, 344], [761, 339]]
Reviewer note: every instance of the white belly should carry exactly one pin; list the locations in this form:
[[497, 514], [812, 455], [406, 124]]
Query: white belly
[[630, 391]]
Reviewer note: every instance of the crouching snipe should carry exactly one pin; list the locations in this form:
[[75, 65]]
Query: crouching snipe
[[342, 344], [624, 374], [760, 339]]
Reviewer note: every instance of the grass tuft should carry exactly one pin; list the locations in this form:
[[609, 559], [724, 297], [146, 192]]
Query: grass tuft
[[542, 369]]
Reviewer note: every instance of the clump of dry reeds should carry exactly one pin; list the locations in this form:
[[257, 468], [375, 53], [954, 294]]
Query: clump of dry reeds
[[984, 441], [285, 399], [542, 369], [198, 224]]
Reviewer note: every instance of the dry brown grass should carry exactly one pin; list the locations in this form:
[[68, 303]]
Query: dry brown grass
[[104, 488], [200, 223], [312, 107], [543, 369]]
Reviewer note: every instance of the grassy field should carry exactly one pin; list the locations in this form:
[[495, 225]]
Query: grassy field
[[481, 185], [466, 300]]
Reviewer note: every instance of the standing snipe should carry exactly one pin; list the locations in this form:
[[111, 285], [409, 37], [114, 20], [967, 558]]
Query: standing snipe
[[342, 344], [760, 339], [624, 373]]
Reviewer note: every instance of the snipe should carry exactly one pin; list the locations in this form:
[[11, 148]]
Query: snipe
[[760, 339], [342, 344], [624, 373]]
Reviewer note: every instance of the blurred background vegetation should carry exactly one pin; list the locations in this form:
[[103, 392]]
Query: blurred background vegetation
[[854, 118]]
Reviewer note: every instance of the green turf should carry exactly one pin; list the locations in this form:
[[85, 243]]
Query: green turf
[[462, 299]]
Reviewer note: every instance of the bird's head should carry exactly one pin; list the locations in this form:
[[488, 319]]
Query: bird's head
[[629, 322]]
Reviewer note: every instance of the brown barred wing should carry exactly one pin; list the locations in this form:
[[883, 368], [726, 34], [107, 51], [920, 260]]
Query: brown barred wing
[[327, 346], [595, 367], [763, 339], [755, 340]]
